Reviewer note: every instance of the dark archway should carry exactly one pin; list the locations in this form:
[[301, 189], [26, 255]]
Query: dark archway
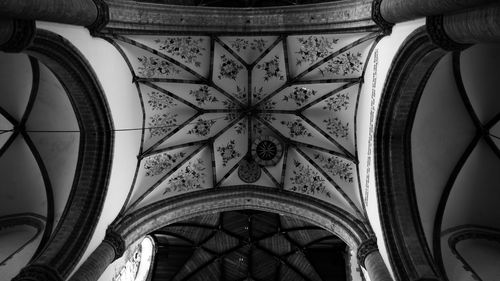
[[409, 253], [74, 231]]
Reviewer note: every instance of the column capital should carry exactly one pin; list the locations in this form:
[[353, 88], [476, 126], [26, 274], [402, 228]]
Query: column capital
[[365, 248], [38, 272], [437, 33], [115, 241], [22, 33], [102, 18], [378, 19]]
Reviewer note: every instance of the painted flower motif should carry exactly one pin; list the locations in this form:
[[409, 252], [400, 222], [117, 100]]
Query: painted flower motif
[[300, 95], [335, 127], [337, 102], [203, 95], [307, 180], [233, 107], [258, 128], [228, 152], [258, 44], [268, 116], [241, 93], [162, 124], [159, 163], [336, 167], [240, 44], [272, 69], [188, 48], [241, 127], [202, 127], [189, 179], [229, 68], [296, 128], [160, 101], [257, 93], [154, 67], [344, 64], [314, 48]]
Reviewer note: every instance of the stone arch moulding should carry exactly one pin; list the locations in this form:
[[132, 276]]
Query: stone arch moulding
[[154, 216], [75, 229], [408, 251]]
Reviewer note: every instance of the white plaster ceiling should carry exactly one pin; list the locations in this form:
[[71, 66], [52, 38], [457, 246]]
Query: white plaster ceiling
[[206, 99]]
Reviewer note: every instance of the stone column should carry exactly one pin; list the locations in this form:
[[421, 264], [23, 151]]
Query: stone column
[[111, 248], [369, 257], [457, 31], [16, 35], [90, 13], [395, 11]]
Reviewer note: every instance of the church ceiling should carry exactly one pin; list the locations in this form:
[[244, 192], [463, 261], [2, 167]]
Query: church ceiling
[[247, 245], [273, 111]]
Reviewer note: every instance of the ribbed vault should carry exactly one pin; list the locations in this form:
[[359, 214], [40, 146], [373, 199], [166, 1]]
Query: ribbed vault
[[247, 245]]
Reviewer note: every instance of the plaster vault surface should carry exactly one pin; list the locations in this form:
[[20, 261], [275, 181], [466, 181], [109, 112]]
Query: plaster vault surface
[[271, 111]]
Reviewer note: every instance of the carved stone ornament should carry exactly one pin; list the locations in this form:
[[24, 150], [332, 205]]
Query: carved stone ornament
[[23, 33], [267, 151], [38, 272], [366, 247], [379, 20], [249, 171], [435, 29], [116, 241]]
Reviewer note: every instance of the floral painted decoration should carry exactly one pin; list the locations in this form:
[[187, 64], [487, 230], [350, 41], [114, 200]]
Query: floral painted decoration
[[229, 68], [189, 179], [267, 116], [241, 127], [300, 95], [336, 167], [188, 48], [161, 124], [313, 48], [296, 128], [307, 180], [202, 127], [337, 102], [240, 44], [257, 93], [335, 127], [344, 64], [203, 95], [233, 110], [159, 163], [155, 67], [228, 152], [272, 69], [241, 93], [160, 101]]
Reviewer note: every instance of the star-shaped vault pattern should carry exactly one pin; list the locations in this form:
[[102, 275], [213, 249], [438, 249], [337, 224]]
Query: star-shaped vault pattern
[[206, 99]]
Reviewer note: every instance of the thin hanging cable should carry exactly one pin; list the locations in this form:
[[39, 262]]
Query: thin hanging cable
[[3, 131]]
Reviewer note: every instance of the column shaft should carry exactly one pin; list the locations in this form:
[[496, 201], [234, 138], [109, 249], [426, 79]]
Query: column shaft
[[395, 11], [376, 268], [78, 12], [95, 264], [477, 25]]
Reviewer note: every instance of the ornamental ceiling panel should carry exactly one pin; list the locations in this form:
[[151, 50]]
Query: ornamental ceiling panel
[[276, 111]]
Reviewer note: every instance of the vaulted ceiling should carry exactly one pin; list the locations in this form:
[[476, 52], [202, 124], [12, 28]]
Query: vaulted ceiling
[[223, 110], [247, 245]]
